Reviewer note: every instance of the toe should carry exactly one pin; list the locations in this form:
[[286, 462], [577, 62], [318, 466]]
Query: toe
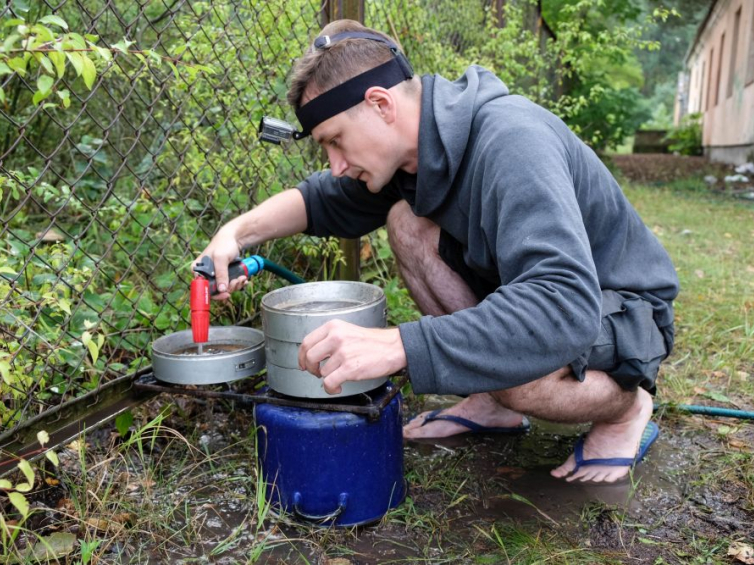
[[617, 474], [565, 469], [415, 422]]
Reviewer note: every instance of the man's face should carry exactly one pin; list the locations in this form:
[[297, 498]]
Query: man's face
[[358, 145]]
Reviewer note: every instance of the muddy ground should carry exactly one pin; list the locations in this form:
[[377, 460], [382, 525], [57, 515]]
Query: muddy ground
[[687, 503], [188, 494]]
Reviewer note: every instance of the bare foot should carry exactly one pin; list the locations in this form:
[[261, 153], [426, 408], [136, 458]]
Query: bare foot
[[610, 439], [479, 408]]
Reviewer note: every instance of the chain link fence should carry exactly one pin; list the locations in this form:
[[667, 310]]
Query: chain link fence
[[127, 138]]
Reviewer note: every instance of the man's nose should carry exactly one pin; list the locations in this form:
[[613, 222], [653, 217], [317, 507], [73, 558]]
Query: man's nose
[[338, 165]]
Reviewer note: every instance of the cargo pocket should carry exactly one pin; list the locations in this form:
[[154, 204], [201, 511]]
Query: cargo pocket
[[639, 345], [601, 356]]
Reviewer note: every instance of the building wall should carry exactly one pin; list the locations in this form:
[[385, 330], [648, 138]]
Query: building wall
[[720, 67]]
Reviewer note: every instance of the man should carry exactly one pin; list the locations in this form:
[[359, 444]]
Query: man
[[543, 292]]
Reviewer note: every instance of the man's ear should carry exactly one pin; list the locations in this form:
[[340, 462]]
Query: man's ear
[[382, 101]]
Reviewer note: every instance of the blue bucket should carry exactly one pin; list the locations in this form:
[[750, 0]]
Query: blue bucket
[[332, 468]]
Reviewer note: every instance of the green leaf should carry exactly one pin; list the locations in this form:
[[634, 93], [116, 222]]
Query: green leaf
[[44, 35], [2, 95], [77, 41], [123, 422], [52, 547], [44, 83], [52, 19], [58, 59], [122, 46], [46, 63], [719, 397], [5, 69], [64, 303], [26, 469], [724, 430], [104, 54], [19, 501], [13, 22], [5, 484], [92, 347], [18, 64], [5, 372], [53, 458], [23, 487], [154, 56], [76, 60], [9, 41], [39, 96], [65, 97], [89, 73]]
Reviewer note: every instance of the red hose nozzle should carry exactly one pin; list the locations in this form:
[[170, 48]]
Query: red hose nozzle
[[200, 309]]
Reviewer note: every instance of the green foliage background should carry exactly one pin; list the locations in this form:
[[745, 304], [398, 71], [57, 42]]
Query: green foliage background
[[128, 136]]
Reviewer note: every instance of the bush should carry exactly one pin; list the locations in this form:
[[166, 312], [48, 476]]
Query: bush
[[686, 139]]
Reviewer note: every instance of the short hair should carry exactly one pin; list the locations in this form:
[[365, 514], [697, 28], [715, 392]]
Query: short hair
[[326, 68]]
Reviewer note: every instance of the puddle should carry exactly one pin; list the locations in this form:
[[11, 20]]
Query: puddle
[[517, 484], [459, 488]]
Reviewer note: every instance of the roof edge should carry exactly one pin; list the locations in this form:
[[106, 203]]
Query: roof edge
[[699, 31]]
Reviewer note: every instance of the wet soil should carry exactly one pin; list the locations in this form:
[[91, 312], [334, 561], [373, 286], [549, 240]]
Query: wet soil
[[689, 498]]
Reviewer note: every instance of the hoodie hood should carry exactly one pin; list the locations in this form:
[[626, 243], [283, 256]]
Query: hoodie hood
[[447, 114]]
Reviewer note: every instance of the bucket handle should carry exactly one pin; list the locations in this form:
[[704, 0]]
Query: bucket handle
[[342, 502]]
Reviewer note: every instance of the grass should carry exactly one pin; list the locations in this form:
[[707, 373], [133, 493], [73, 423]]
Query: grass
[[710, 241], [183, 486]]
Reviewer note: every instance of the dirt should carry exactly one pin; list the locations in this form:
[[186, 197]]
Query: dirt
[[659, 169], [686, 499]]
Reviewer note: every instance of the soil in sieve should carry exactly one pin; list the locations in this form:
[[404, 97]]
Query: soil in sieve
[[210, 348]]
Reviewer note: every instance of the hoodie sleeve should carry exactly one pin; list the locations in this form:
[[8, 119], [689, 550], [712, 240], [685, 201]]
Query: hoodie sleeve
[[344, 207], [546, 311]]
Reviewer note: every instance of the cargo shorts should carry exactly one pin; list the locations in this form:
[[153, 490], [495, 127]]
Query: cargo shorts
[[630, 345]]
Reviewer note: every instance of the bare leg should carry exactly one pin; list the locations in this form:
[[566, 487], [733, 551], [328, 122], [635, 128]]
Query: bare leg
[[619, 417], [438, 290]]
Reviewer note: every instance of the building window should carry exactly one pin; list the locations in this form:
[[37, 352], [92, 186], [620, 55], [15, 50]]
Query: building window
[[733, 52], [750, 62], [708, 102], [718, 86]]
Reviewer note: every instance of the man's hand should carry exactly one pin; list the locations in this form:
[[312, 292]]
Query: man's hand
[[280, 215], [223, 249], [352, 353]]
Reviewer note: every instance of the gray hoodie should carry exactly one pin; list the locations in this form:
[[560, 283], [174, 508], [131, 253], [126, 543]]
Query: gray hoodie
[[536, 212]]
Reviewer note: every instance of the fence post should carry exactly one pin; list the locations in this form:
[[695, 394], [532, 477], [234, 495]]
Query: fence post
[[351, 248]]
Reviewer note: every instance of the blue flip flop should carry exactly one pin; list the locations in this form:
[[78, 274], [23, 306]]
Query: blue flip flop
[[648, 437], [475, 428]]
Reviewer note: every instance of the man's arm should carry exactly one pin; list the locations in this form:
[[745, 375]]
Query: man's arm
[[281, 215]]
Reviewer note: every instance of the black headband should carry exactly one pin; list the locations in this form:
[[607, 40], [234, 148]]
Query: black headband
[[350, 93]]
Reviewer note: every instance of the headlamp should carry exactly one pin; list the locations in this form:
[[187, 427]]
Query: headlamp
[[276, 131], [341, 97]]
